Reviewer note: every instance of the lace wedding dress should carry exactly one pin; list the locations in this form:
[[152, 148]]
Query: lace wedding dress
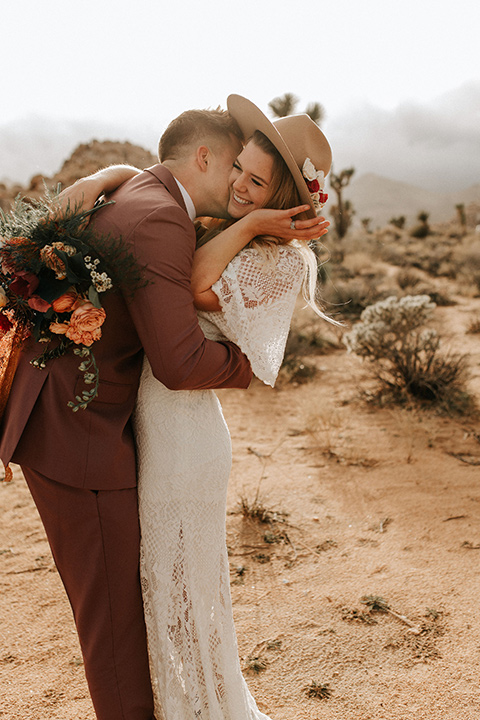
[[184, 456]]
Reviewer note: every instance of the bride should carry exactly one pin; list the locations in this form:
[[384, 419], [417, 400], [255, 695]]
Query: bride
[[245, 282]]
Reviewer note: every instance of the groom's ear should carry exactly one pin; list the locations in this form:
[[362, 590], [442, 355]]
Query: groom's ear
[[202, 158]]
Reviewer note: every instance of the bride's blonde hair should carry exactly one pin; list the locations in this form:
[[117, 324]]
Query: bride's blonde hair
[[282, 194]]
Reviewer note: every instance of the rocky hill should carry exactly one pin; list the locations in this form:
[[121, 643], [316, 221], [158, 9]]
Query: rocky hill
[[86, 159]]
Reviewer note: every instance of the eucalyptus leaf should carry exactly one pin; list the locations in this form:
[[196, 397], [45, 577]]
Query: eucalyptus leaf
[[94, 297]]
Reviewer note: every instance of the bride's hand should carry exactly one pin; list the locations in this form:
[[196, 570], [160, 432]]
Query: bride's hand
[[281, 224], [83, 194]]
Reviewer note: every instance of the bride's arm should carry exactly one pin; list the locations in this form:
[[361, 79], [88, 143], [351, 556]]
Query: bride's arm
[[212, 258], [85, 191]]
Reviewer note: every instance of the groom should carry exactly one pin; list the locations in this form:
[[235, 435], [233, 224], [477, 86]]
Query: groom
[[80, 467]]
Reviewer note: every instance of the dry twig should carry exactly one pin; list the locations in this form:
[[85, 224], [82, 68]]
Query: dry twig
[[378, 604]]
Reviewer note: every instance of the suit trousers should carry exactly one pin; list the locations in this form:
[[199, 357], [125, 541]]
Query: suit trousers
[[95, 539]]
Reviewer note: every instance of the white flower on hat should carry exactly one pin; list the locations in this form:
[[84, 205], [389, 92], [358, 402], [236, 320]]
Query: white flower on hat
[[311, 174], [315, 180], [308, 170]]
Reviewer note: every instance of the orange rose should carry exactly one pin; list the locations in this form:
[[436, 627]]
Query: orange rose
[[65, 302], [83, 337], [58, 328], [84, 326], [86, 316]]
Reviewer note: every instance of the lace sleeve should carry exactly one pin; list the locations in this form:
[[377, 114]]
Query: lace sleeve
[[257, 296]]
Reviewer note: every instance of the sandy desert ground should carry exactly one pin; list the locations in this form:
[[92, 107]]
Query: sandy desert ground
[[362, 501]]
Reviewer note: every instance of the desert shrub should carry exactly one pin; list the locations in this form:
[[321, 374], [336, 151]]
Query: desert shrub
[[294, 367], [318, 690], [256, 510], [302, 343], [446, 269], [440, 298], [405, 356], [297, 370], [433, 259], [474, 325], [352, 297], [396, 255], [329, 270], [412, 283], [433, 255], [360, 262], [420, 231], [466, 260], [308, 342], [408, 278]]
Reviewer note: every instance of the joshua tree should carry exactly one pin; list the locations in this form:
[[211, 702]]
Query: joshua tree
[[283, 105], [287, 104], [342, 212], [398, 222], [422, 230], [462, 218], [366, 224], [316, 111]]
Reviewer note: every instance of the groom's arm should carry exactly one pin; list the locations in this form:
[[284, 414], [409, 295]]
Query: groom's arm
[[164, 314]]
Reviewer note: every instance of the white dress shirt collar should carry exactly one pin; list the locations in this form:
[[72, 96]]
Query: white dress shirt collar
[[192, 214]]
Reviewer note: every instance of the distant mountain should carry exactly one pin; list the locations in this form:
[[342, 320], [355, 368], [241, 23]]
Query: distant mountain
[[381, 198], [63, 152]]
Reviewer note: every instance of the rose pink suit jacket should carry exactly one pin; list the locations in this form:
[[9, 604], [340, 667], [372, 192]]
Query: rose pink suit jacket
[[94, 448]]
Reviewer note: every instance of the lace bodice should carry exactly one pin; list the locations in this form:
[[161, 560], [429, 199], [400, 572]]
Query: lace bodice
[[257, 296]]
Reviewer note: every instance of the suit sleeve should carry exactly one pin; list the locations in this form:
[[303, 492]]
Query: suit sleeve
[[164, 314]]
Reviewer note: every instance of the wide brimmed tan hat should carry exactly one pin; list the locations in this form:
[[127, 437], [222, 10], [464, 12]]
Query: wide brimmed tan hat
[[296, 137]]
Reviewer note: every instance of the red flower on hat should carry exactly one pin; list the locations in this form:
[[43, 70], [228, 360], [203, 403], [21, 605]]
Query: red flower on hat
[[313, 186]]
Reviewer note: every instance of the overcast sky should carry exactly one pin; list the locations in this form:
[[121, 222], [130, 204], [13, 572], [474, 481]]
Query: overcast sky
[[400, 82]]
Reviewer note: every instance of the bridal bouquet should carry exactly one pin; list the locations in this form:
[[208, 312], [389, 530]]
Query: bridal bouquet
[[53, 270]]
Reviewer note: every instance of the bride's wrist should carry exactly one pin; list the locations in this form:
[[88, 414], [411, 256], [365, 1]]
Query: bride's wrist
[[111, 177], [250, 226], [92, 185]]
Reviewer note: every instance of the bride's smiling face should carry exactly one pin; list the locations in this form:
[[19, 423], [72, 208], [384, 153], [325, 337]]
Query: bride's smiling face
[[249, 181]]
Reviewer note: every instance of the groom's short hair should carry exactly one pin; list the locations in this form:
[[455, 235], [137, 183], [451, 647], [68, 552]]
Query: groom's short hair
[[212, 128]]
